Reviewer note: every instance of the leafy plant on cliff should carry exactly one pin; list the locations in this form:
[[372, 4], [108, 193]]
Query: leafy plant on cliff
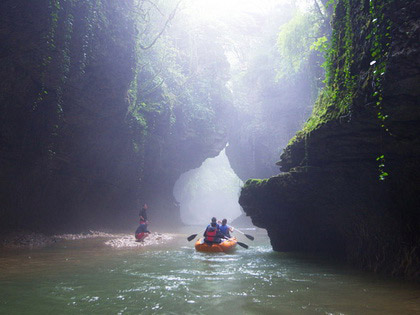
[[336, 98], [178, 92], [294, 41], [381, 41]]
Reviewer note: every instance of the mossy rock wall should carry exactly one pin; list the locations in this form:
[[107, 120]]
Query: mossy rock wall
[[72, 156], [333, 196]]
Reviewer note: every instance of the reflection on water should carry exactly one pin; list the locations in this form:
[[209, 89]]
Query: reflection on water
[[87, 277]]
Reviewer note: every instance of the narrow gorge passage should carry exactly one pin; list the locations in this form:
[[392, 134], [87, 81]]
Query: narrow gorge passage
[[126, 125], [211, 190]]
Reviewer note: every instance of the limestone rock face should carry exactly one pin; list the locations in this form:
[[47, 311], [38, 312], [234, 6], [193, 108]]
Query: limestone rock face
[[64, 78], [329, 197], [71, 156]]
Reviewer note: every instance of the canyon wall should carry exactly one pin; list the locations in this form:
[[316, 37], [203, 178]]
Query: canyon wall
[[349, 182], [82, 139]]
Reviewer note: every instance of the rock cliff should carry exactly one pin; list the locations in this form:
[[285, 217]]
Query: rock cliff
[[350, 181], [75, 153]]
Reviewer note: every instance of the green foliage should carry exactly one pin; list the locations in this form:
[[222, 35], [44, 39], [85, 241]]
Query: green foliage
[[322, 111], [381, 38], [321, 44], [178, 91], [336, 98], [381, 41], [295, 41], [330, 2], [381, 167]]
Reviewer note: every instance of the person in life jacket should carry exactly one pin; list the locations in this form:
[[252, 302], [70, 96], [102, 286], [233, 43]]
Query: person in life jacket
[[225, 229], [212, 233]]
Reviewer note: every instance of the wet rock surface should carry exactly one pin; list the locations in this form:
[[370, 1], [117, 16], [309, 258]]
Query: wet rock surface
[[24, 239], [32, 240], [73, 151], [330, 198], [81, 236], [127, 241]]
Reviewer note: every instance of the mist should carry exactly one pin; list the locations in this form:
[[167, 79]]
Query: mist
[[295, 120], [210, 190], [162, 87]]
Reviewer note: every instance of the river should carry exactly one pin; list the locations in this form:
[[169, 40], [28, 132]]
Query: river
[[87, 277]]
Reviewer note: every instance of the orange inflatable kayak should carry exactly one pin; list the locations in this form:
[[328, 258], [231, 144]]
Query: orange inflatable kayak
[[225, 246]]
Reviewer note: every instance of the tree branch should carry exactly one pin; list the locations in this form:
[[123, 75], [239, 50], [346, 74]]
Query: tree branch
[[155, 6], [319, 9], [171, 16]]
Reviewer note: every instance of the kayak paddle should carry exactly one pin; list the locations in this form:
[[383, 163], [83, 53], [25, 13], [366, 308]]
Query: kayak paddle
[[242, 245], [191, 237], [239, 243], [246, 235]]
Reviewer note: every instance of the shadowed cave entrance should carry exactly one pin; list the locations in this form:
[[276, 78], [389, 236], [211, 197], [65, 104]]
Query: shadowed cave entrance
[[211, 190]]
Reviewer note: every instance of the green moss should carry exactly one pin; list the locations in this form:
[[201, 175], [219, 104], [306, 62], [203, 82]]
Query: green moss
[[255, 182], [335, 100]]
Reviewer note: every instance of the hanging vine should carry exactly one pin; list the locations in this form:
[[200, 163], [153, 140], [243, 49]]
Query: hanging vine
[[381, 42]]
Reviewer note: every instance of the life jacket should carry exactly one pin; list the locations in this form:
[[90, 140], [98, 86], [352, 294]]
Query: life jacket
[[211, 234], [224, 229]]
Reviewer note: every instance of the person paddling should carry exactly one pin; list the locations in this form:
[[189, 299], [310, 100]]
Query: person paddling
[[225, 229], [143, 215], [212, 233], [142, 230]]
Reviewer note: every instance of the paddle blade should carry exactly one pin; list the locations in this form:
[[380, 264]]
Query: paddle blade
[[243, 245], [249, 237], [191, 237]]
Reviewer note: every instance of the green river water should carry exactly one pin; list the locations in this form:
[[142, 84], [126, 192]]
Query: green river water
[[87, 277]]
